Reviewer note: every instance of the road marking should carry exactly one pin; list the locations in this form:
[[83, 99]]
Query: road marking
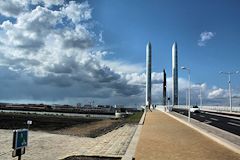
[[234, 124], [207, 121], [214, 119], [236, 121]]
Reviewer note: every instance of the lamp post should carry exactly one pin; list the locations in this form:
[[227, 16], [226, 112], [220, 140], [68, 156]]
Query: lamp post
[[229, 86], [189, 91], [186, 98], [200, 95]]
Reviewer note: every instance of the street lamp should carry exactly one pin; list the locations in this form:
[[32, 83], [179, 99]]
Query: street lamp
[[189, 91], [200, 95], [229, 86]]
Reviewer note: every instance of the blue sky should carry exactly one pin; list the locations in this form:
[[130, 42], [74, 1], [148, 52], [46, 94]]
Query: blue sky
[[128, 25], [80, 51]]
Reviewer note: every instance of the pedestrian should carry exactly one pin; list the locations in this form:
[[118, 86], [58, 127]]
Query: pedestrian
[[149, 107]]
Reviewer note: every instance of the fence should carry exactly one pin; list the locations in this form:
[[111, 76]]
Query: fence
[[214, 108]]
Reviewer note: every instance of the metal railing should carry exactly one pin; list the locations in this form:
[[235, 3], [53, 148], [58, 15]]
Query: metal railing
[[214, 108]]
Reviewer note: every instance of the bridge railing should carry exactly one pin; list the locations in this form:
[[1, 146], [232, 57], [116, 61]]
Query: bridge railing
[[221, 108], [214, 108]]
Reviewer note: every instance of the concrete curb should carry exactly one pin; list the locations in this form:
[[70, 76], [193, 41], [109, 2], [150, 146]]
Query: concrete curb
[[130, 153], [141, 122], [235, 148]]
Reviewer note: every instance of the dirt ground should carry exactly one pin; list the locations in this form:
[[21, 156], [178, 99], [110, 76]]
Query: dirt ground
[[76, 126], [65, 125], [92, 129]]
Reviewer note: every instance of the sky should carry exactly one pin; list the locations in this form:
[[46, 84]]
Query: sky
[[68, 52]]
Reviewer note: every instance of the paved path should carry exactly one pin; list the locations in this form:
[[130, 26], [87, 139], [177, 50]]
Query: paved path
[[232, 138], [46, 146], [164, 138], [228, 123]]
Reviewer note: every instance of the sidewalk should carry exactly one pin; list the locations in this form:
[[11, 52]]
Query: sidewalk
[[164, 138]]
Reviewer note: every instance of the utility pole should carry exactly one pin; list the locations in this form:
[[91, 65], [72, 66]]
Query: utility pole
[[229, 86]]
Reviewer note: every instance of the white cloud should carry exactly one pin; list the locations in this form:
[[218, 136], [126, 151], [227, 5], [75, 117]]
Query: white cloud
[[46, 48], [12, 8], [204, 37], [77, 12], [48, 3], [101, 37], [217, 93], [124, 67]]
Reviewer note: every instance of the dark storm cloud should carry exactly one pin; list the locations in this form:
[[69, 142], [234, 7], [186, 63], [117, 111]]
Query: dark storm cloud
[[55, 80], [78, 43], [18, 62], [105, 75], [98, 78], [124, 89], [29, 44], [60, 68]]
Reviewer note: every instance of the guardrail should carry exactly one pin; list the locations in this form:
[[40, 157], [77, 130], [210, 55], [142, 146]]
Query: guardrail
[[214, 108]]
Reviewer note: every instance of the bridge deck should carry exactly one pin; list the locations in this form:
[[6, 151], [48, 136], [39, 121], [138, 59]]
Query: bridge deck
[[164, 138]]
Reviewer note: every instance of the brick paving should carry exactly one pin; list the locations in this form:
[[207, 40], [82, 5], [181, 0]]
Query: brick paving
[[164, 138], [114, 143], [46, 146]]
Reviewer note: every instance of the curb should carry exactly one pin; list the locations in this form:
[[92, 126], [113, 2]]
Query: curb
[[141, 122], [233, 147], [130, 152]]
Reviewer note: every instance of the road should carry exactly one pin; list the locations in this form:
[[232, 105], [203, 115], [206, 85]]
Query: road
[[225, 122]]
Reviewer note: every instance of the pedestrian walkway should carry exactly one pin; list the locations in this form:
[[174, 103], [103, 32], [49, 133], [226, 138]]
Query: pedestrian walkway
[[164, 138], [47, 146]]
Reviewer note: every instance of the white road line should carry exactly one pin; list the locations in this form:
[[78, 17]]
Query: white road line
[[214, 119], [234, 124], [207, 121], [236, 121]]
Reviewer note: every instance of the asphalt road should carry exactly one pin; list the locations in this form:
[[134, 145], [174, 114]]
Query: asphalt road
[[225, 122]]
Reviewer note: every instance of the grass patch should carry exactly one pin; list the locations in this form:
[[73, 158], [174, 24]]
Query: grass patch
[[134, 118]]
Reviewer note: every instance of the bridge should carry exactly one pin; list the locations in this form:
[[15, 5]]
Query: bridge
[[211, 135]]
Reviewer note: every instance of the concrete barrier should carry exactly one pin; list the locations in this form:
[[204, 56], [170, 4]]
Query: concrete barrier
[[235, 109]]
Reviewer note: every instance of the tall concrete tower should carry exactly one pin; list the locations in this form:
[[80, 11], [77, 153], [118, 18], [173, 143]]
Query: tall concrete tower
[[174, 74], [164, 88], [148, 74]]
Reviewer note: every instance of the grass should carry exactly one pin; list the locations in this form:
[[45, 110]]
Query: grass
[[134, 118]]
